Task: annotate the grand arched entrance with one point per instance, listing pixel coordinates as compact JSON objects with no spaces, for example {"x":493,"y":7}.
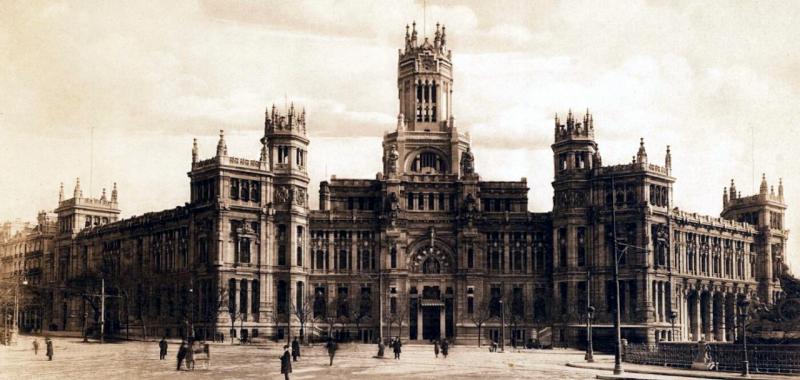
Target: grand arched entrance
{"x":431,"y":298}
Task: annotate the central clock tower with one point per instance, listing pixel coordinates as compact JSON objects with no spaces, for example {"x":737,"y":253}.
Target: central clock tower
{"x":425,"y":82}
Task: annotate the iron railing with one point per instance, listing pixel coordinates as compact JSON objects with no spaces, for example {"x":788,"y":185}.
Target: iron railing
{"x":783,"y":359}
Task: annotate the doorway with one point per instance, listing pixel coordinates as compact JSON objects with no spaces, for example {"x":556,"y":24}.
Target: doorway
{"x":431,"y":323}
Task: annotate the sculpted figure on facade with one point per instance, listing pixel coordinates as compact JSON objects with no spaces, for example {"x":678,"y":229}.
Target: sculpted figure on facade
{"x":282,"y":194}
{"x":393,"y":157}
{"x":467,"y":163}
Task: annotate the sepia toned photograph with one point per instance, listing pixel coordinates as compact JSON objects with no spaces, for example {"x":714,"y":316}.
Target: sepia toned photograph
{"x":399,"y":189}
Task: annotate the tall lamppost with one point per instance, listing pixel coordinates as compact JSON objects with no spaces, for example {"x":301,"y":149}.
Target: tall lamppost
{"x":502,"y":327}
{"x":744,"y":304}
{"x":15,"y":317}
{"x":672,"y":315}
{"x":589,"y":349}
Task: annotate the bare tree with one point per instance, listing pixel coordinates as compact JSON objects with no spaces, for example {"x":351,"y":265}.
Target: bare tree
{"x":360,"y":311}
{"x":399,"y":316}
{"x":304,"y":313}
{"x":330,"y":317}
{"x":480,"y":316}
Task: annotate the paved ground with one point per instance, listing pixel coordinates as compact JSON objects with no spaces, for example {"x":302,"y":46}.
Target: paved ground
{"x":138,"y":360}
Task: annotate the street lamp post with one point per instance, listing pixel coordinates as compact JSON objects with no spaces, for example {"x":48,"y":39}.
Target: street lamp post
{"x":502,"y":327}
{"x":15,"y":317}
{"x":589,"y":349}
{"x":743,"y":306}
{"x":672,"y":316}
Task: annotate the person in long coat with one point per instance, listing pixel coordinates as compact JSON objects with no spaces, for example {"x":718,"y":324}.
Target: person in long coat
{"x":445,"y":348}
{"x":397,"y":348}
{"x":49,"y":344}
{"x":286,"y":363}
{"x":190,"y":354}
{"x":36,"y":347}
{"x":436,"y":348}
{"x":162,"y":347}
{"x":331,"y":346}
{"x":181,"y":354}
{"x":295,"y":349}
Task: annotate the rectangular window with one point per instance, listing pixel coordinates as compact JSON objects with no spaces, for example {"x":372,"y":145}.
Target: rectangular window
{"x":281,"y":254}
{"x":393,"y":257}
{"x":441,"y":201}
{"x":562,"y":247}
{"x":421,"y":201}
{"x":234,"y":188}
{"x":470,"y":305}
{"x":410,"y":201}
{"x":562,"y":292}
{"x":470,"y":258}
{"x":581,"y":246}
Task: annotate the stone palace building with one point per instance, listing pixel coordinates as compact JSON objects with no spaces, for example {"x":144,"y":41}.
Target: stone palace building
{"x":426,"y":249}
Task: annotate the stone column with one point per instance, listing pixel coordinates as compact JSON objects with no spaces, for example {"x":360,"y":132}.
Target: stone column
{"x":722,"y":334}
{"x":709,"y":310}
{"x":442,"y":326}
{"x":506,"y":264}
{"x":696,"y":327}
{"x":419,"y":319}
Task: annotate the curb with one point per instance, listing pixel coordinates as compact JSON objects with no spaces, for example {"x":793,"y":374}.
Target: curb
{"x":681,"y":373}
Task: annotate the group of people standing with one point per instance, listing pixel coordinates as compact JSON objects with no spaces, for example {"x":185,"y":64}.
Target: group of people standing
{"x":48,"y":347}
{"x":445,"y":347}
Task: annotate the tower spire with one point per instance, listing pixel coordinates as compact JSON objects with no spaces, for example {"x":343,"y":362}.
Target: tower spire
{"x":222,"y":149}
{"x":733,"y":190}
{"x":668,"y":160}
{"x":77,"y":193}
{"x":61,"y":192}
{"x":114,"y":193}
{"x":780,"y":187}
{"x":641,"y":155}
{"x":763,"y":188}
{"x":724,"y":197}
{"x":194,"y":151}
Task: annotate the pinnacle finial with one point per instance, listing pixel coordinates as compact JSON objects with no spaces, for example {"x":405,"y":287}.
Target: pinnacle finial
{"x":194,"y":150}
{"x":763,"y":188}
{"x":77,"y":192}
{"x":222,"y":148}
{"x":61,"y":192}
{"x":103,"y":195}
{"x":114,"y":193}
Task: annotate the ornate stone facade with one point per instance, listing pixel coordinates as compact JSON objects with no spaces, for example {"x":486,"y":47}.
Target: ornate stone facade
{"x":426,"y":249}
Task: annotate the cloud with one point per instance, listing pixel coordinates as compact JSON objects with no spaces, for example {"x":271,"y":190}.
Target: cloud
{"x":719,"y":83}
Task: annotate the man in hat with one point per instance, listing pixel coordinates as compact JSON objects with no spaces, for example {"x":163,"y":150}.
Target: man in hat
{"x":286,"y":363}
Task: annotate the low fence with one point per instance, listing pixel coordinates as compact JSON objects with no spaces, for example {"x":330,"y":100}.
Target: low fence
{"x":783,"y":359}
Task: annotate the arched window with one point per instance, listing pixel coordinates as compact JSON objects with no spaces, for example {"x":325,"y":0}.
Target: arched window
{"x":430,"y":266}
{"x":299,"y":295}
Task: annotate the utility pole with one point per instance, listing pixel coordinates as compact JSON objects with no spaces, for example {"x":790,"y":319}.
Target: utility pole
{"x":102,"y":308}
{"x":617,"y":329}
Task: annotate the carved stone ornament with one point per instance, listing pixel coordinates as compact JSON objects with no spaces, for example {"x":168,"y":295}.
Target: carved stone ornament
{"x":282,"y":194}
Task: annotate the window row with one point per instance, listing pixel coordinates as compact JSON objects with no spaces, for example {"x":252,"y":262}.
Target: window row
{"x":245,"y":190}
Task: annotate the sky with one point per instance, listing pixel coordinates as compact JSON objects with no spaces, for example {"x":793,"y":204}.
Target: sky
{"x":127,"y":85}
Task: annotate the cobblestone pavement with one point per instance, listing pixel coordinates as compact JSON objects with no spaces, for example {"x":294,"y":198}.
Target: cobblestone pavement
{"x":138,"y":360}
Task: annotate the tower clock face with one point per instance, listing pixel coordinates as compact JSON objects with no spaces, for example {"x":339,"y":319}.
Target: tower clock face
{"x":428,"y":64}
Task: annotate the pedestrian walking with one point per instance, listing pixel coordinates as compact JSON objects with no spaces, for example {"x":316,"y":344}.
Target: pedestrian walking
{"x":445,"y":348}
{"x":286,"y":363}
{"x":436,"y":348}
{"x":181,"y":354}
{"x":397,"y":348}
{"x":49,"y":344}
{"x":162,"y":348}
{"x":295,"y":349}
{"x":331,"y":346}
{"x":35,"y":346}
{"x":190,"y":354}
{"x":381,"y":348}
